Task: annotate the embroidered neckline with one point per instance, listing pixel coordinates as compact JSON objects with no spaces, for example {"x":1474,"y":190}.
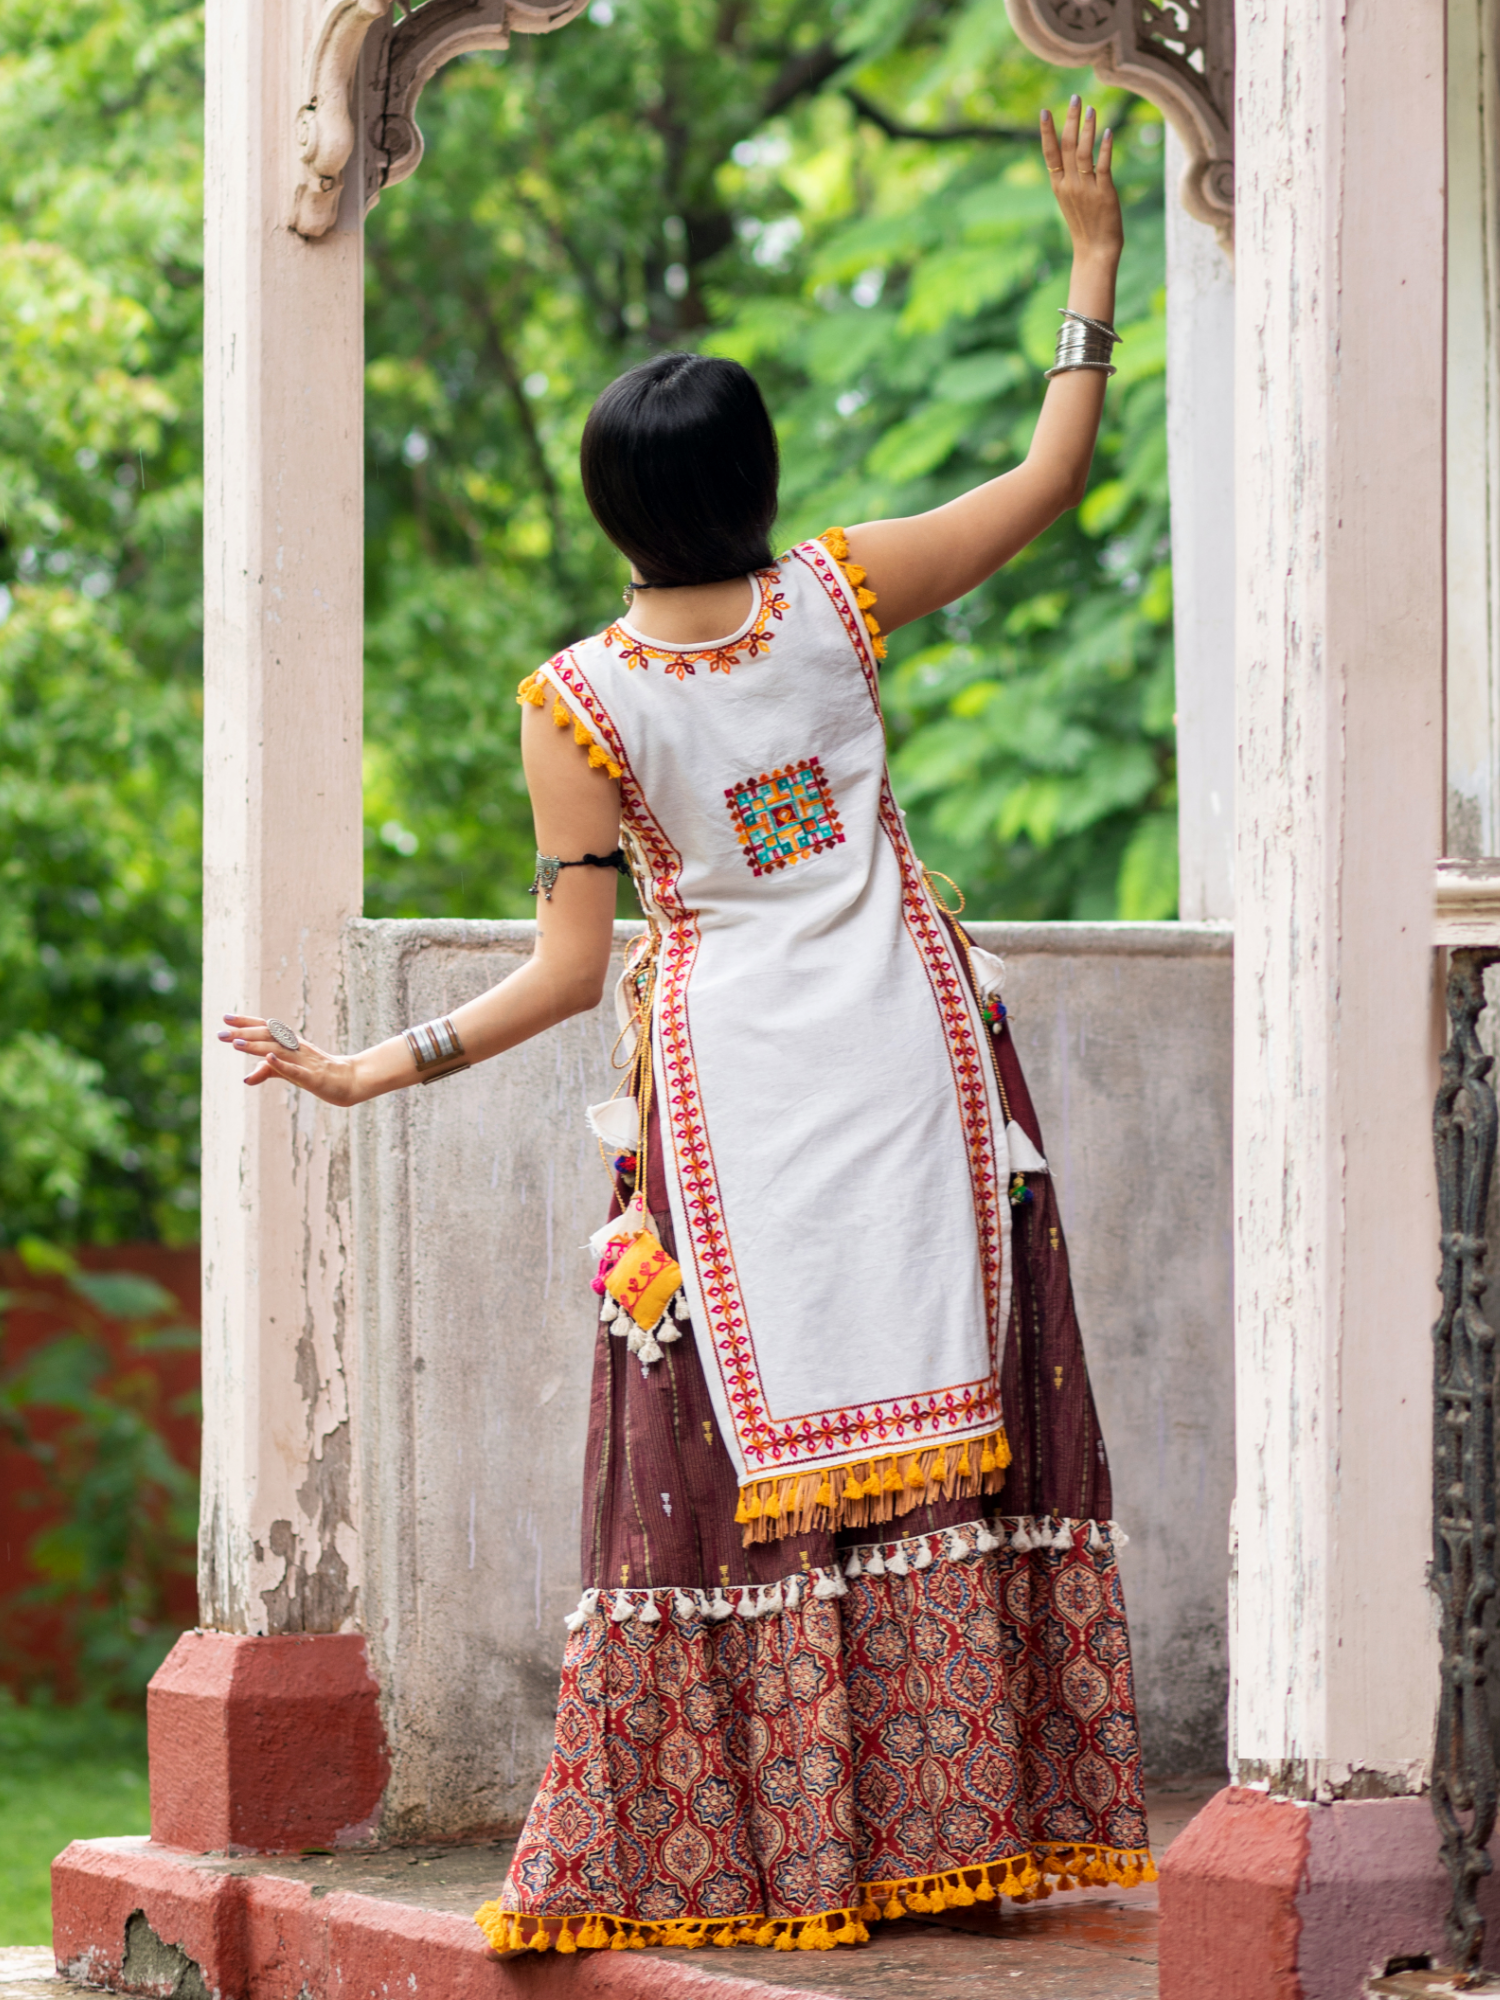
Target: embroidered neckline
{"x":752,"y":639}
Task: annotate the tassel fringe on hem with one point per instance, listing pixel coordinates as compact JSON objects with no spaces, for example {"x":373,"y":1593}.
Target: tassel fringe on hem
{"x":1026,"y":1878}
{"x":871,"y":1490}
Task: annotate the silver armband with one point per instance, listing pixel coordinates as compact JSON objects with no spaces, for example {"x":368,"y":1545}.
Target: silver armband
{"x":1083,"y":343}
{"x":435,"y":1046}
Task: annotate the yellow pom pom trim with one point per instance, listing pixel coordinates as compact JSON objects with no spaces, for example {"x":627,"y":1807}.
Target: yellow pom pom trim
{"x":600,"y":1930}
{"x":836,"y":541}
{"x":533,"y":693}
{"x":867,"y":1491}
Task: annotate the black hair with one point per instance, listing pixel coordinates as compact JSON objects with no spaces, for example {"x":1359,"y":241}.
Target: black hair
{"x":680,"y":465}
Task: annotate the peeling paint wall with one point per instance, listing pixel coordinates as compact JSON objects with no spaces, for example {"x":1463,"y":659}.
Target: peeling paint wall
{"x":1339,"y":631}
{"x":474,"y":1197}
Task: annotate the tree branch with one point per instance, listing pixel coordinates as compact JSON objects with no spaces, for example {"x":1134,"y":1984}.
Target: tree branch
{"x":894,"y":129}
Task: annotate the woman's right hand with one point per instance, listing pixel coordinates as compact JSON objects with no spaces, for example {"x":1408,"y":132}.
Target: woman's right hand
{"x":330,"y":1077}
{"x":1083,"y":188}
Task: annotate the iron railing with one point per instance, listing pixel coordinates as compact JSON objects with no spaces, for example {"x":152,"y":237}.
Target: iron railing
{"x":1463,"y":1473}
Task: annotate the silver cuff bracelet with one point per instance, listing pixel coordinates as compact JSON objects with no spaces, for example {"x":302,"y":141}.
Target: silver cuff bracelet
{"x":1083,"y":343}
{"x":435,"y":1046}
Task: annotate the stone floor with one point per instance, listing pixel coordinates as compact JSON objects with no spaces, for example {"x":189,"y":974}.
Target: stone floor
{"x":1085,"y":1945}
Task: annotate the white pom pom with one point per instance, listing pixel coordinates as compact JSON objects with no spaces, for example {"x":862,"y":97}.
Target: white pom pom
{"x":854,"y":1567}
{"x":682,"y":1607}
{"x":667,"y":1331}
{"x":1021,"y":1540}
{"x":954,"y":1545}
{"x":746,"y":1606}
{"x":610,"y":1309}
{"x":649,"y":1351}
{"x":587,"y":1605}
{"x":984,"y":1541}
{"x":1063,"y":1539}
{"x":828,"y":1583}
{"x":1118,"y":1535}
{"x":898,"y":1565}
{"x":648,"y":1613}
{"x":680,"y":1305}
{"x":621,"y":1608}
{"x":875,"y":1563}
{"x":719,"y":1606}
{"x":923,"y":1557}
{"x":772,"y":1600}
{"x":1096,"y":1542}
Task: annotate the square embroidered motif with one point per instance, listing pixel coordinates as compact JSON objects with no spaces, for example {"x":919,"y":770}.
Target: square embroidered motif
{"x":782,"y":817}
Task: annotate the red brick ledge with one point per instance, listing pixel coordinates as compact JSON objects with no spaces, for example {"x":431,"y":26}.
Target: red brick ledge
{"x":263,"y":1937}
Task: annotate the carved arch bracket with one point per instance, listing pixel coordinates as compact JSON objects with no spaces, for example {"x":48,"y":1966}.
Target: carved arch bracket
{"x":368,"y":66}
{"x":1180,"y":55}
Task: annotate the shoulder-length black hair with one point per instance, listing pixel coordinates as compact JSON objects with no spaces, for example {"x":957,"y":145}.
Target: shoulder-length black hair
{"x":680,"y":465}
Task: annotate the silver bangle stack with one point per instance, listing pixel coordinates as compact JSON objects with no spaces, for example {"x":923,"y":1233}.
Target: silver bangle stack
{"x":435,"y":1046}
{"x":1083,"y":343}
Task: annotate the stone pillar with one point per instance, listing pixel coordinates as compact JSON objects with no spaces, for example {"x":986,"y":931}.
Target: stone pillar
{"x":283,"y":536}
{"x":1200,"y":462}
{"x":1339,"y":251}
{"x":1473,"y":677}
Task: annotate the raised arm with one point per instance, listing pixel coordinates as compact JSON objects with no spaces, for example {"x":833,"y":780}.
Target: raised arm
{"x":577,"y":812}
{"x":927,"y":560}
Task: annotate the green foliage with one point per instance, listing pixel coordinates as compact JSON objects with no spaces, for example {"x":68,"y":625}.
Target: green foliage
{"x":693,"y":175}
{"x":65,"y":1774}
{"x":99,"y":625}
{"x":124,"y":1512}
{"x":716,"y":173}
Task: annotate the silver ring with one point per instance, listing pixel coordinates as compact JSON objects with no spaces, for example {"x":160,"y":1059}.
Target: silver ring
{"x":280,"y":1032}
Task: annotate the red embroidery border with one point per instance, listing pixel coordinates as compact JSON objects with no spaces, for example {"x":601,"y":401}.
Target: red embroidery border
{"x":767,"y":1443}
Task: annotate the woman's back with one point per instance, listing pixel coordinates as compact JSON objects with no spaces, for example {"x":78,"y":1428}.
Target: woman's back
{"x":820,"y":1057}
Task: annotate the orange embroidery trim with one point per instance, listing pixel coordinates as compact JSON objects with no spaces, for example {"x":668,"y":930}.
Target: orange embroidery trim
{"x":533,"y":692}
{"x":680,"y":663}
{"x":836,"y":541}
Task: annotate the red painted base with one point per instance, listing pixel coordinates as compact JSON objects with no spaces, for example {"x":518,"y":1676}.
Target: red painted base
{"x":265,"y":1746}
{"x":260,"y":1937}
{"x":1230,"y":1926}
{"x":1268,"y":1899}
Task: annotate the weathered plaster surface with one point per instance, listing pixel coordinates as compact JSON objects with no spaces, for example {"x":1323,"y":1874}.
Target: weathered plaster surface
{"x":476,"y":1332}
{"x":1200,"y":463}
{"x":282,"y":841}
{"x":1339,"y":631}
{"x":1473,"y":433}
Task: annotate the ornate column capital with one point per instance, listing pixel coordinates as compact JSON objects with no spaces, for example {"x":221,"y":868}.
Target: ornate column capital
{"x":1180,"y":55}
{"x":367,"y":66}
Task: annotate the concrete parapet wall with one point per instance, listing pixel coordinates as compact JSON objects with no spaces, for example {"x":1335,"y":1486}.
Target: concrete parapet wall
{"x":473,"y":1198}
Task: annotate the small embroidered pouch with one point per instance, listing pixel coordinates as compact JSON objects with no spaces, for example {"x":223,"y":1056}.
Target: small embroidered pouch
{"x":644,"y":1280}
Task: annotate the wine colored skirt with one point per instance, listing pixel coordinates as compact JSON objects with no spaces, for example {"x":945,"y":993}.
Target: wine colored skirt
{"x":778,"y":1744}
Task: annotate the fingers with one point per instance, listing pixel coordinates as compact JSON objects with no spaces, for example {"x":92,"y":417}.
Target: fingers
{"x":1050,"y":151}
{"x":1106,"y":153}
{"x":1085,"y":153}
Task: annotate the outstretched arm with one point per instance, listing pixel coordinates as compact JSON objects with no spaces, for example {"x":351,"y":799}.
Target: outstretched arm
{"x":927,"y":560}
{"x":577,"y":812}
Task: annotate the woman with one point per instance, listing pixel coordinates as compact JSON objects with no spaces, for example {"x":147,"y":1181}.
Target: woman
{"x":814,"y":1678}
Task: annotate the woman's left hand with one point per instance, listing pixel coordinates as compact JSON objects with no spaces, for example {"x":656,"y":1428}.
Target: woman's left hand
{"x":325,"y":1076}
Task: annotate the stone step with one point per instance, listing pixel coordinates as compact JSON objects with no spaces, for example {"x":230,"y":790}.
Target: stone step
{"x":396,"y":1924}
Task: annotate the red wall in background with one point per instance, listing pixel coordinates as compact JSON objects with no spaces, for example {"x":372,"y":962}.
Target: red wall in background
{"x":35,"y":1646}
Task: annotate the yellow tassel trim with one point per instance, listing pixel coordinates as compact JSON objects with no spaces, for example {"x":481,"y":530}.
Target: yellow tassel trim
{"x":506,"y":1931}
{"x":868,"y":1490}
{"x":533,"y":693}
{"x":837,"y":544}
{"x":1024,"y":1877}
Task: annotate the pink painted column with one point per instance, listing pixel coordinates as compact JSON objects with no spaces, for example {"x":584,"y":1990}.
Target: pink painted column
{"x":1339,"y":253}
